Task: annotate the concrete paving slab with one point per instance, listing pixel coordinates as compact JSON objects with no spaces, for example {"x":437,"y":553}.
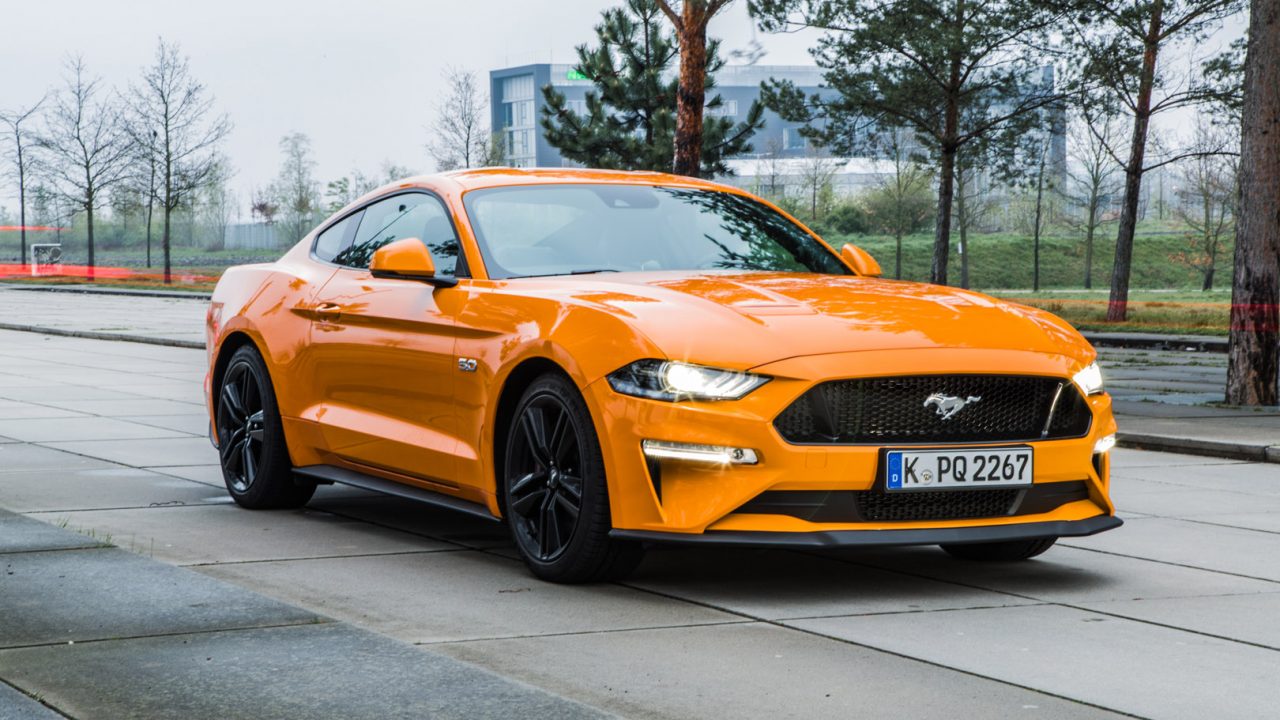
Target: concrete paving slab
{"x":771,"y":584}
{"x":206,"y":474}
{"x":312,"y":671}
{"x":1246,"y":552}
{"x":1256,"y":478}
{"x":15,"y":705}
{"x":81,"y":595}
{"x":1246,"y":618}
{"x":128,"y":408}
{"x":1266,"y":522}
{"x":1064,"y":574}
{"x":102,"y":488}
{"x":221,"y":532}
{"x":1132,"y":667}
{"x":413,"y":517}
{"x":18,"y":410}
{"x":144,"y":453}
{"x":63,"y":392}
{"x":1165,"y":499}
{"x":752,"y":671}
{"x":82,"y":428}
{"x":464,"y":595}
{"x":17,"y":457}
{"x":193,"y":424}
{"x":1122,"y":458}
{"x":20,"y":534}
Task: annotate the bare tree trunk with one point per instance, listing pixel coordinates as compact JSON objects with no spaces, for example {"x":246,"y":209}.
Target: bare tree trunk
{"x":89,"y":227}
{"x":962,"y":216}
{"x":1090,"y":225}
{"x":692,"y":95}
{"x":1118,"y":306}
{"x":1035,"y":273}
{"x":897,"y":260}
{"x":1253,"y":365}
{"x":942,"y":230}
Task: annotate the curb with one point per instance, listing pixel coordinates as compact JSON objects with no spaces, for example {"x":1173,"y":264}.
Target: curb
{"x":1194,"y":446}
{"x":178,"y":294}
{"x":1184,"y":343}
{"x":91,"y":335}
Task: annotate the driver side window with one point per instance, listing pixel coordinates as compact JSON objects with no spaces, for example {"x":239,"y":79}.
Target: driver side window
{"x":400,"y":216}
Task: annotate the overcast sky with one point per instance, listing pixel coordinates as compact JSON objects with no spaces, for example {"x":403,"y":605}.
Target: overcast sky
{"x":360,"y":78}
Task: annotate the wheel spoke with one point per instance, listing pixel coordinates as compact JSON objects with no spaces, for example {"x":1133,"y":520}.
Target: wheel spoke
{"x":232,"y":404}
{"x":250,"y":462}
{"x":519,"y":487}
{"x":572,"y":486}
{"x":560,"y":436}
{"x":535,"y":433}
{"x":526,"y":505}
{"x":550,"y":530}
{"x":256,"y":427}
{"x":569,"y":505}
{"x":230,"y":450}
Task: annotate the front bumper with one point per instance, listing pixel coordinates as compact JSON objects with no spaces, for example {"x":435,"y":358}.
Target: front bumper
{"x":696,"y":500}
{"x":875,"y":538}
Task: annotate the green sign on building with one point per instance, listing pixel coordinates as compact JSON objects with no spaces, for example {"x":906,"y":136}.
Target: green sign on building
{"x":575,"y":75}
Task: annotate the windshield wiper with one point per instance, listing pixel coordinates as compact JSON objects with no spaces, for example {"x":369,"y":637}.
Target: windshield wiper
{"x":593,"y":271}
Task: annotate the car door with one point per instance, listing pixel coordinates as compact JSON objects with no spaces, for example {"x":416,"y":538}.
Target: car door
{"x":382,"y":350}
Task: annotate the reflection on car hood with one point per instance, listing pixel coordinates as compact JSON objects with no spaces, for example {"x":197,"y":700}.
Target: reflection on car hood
{"x":749,"y":319}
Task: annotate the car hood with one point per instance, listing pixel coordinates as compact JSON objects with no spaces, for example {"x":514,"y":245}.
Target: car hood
{"x":744,"y":320}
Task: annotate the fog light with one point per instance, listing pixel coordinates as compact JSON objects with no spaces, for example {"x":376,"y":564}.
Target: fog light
{"x":1104,"y":444}
{"x":715,"y":454}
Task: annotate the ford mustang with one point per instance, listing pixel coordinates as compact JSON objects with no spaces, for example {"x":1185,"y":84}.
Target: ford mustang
{"x":608,"y":360}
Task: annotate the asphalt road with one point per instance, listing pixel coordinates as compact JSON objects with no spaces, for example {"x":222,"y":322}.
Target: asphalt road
{"x":1177,"y":614}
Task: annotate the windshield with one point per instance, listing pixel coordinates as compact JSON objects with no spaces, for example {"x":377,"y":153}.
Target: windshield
{"x":537,"y":230}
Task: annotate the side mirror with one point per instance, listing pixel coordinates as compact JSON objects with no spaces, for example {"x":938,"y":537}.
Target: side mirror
{"x":860,"y":260}
{"x":407,"y":259}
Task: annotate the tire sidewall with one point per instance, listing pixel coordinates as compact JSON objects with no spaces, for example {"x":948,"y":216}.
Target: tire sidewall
{"x":275,"y":460}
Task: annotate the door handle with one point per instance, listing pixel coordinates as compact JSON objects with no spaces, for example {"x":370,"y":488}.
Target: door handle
{"x":328,"y":311}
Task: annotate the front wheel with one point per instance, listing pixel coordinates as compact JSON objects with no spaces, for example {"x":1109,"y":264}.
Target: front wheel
{"x":251,"y":445}
{"x":1008,"y":551}
{"x":557,"y":502}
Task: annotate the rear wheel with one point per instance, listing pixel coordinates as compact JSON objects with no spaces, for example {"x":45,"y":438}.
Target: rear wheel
{"x":251,"y":444}
{"x":1008,"y":551}
{"x":557,"y":502}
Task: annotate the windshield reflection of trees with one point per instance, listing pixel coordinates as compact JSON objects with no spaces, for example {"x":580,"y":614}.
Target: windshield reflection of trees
{"x":772,"y":242}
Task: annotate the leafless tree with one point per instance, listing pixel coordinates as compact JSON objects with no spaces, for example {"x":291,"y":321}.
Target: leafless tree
{"x":973,"y":203}
{"x":86,"y":146}
{"x":901,"y":203}
{"x":1207,"y":199}
{"x":1122,"y":55}
{"x":20,"y":153}
{"x":173,"y":124}
{"x":263,"y":205}
{"x":460,"y":136}
{"x":217,"y":206}
{"x":816,"y":173}
{"x":295,"y":189}
{"x":1253,"y":364}
{"x":769,"y":172}
{"x":1091,"y":177}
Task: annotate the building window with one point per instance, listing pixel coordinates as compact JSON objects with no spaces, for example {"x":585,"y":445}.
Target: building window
{"x":518,"y":120}
{"x":793,"y":140}
{"x":728,"y":108}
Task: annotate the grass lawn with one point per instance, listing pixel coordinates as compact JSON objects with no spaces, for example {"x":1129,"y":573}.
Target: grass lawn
{"x":1174,"y":312}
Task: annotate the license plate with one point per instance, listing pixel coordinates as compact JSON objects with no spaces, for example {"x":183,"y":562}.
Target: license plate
{"x":943,"y":469}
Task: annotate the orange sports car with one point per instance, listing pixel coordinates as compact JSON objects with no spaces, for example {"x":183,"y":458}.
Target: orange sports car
{"x":605,"y":360}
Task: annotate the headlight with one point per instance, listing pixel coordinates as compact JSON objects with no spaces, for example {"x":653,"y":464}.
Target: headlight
{"x":1089,"y":380}
{"x":669,"y":380}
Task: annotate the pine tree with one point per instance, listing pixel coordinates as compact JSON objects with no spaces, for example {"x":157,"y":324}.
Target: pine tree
{"x":954,"y":72}
{"x":629,"y":123}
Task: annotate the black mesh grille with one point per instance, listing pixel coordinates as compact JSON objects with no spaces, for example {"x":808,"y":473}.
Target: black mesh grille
{"x":937,"y":505}
{"x":846,"y":506}
{"x":898,"y":410}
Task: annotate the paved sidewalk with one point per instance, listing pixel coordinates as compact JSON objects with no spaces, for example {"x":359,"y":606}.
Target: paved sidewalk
{"x":1172,"y":615}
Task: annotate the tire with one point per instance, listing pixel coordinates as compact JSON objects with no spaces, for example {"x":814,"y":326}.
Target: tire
{"x":1008,"y":551}
{"x":554,"y":491}
{"x":251,"y":445}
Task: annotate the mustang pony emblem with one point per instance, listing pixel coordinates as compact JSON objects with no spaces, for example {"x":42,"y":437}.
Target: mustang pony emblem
{"x":948,"y":405}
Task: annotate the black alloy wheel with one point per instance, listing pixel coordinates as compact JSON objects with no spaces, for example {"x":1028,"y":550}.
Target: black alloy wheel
{"x":545,"y":467}
{"x":240,"y":427}
{"x":251,"y":443}
{"x":555,"y":497}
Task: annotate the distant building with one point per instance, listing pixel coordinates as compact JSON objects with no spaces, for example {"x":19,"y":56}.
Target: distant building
{"x":516,"y":104}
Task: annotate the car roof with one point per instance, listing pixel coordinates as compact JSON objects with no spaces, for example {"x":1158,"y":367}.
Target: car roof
{"x":476,"y":179}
